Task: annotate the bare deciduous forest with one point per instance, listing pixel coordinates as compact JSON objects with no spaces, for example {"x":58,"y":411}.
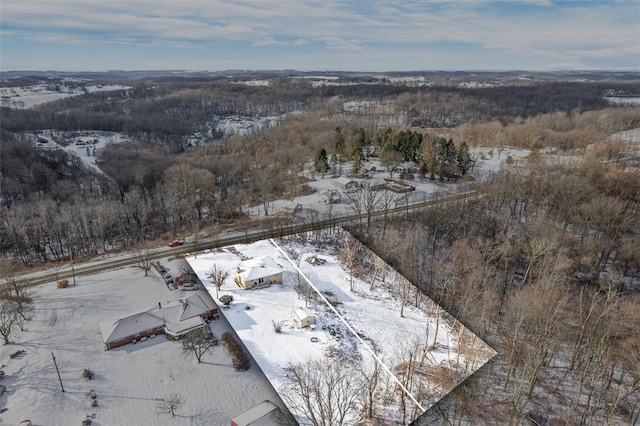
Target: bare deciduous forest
{"x":544,"y":265}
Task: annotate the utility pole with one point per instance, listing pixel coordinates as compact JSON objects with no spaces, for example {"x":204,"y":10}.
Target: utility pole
{"x":57,"y":371}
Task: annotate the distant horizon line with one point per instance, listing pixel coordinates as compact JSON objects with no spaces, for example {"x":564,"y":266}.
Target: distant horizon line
{"x":282,"y":70}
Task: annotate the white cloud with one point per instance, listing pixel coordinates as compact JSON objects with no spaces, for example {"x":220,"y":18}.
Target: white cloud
{"x":538,"y":28}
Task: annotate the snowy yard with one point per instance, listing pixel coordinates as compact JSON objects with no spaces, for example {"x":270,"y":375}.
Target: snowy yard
{"x":129,"y":381}
{"x":357,"y":323}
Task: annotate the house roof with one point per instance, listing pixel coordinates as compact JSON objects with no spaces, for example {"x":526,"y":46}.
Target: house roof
{"x":255,"y":414}
{"x":345,"y":181}
{"x":176,"y":312}
{"x":303,"y":313}
{"x":182,"y":309}
{"x":128,"y":326}
{"x":185,"y":326}
{"x":254,"y":269}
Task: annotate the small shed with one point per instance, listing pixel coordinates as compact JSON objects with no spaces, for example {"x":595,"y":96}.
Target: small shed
{"x":346,"y":184}
{"x":303,"y":317}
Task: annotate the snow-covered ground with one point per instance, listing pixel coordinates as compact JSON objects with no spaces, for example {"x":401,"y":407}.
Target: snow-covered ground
{"x":632,"y":135}
{"x":488,"y":164}
{"x":368,"y":317}
{"x":30,"y":96}
{"x":83,"y":144}
{"x":129,"y":381}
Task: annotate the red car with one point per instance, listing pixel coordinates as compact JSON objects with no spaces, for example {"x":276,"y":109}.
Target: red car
{"x":176,"y":243}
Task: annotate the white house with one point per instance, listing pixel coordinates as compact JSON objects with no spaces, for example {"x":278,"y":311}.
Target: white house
{"x":253,"y":272}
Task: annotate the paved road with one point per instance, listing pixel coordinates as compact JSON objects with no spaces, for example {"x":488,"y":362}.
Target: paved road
{"x":230,"y":238}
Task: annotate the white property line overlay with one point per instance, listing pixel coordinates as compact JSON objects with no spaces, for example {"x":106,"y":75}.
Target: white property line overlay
{"x":378,"y":360}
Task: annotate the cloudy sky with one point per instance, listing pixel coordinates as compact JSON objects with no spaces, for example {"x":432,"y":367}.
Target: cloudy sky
{"x":356,"y":35}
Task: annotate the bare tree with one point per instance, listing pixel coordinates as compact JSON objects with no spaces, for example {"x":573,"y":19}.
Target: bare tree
{"x":325,"y":393}
{"x":170,"y":405}
{"x":8,"y":318}
{"x":218,"y":276}
{"x":143,"y":260}
{"x":350,"y":255}
{"x":198,"y":343}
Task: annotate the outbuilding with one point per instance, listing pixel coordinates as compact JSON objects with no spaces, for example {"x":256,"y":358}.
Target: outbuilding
{"x":303,"y":317}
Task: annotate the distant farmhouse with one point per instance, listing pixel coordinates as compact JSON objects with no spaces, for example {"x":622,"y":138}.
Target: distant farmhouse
{"x":176,"y":319}
{"x":346,"y":184}
{"x":262,"y":271}
{"x":330,"y":196}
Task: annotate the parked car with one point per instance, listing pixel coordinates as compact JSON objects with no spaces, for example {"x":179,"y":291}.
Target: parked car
{"x":162,"y":269}
{"x":176,"y":243}
{"x":189,"y":287}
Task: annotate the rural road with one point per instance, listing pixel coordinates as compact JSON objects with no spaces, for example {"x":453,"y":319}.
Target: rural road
{"x":221,"y":240}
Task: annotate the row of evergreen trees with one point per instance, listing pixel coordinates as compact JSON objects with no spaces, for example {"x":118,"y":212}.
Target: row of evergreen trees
{"x":435,"y":155}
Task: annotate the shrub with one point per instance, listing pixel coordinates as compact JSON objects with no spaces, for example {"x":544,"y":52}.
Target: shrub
{"x":88,"y":374}
{"x":226,"y":299}
{"x":277,"y":326}
{"x":63,"y":283}
{"x":240,"y":359}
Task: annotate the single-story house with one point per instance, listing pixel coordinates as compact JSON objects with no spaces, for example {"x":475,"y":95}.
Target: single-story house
{"x":289,"y":207}
{"x":254,"y":272}
{"x":175,"y":319}
{"x":346,"y":184}
{"x":330,"y":196}
{"x":303,"y":317}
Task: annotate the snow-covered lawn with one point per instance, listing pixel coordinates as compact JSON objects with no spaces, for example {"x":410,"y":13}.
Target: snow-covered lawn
{"x":129,"y":381}
{"x":362,"y":318}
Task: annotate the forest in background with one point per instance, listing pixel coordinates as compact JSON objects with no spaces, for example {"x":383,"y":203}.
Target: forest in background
{"x":545,"y":266}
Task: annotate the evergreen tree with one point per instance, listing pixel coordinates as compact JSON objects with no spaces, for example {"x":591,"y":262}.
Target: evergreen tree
{"x":321,"y":162}
{"x":463,"y":158}
{"x":338,"y":142}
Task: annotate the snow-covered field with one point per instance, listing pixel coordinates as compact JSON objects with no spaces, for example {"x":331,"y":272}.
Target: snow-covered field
{"x":30,"y":96}
{"x":129,"y":381}
{"x":368,"y":317}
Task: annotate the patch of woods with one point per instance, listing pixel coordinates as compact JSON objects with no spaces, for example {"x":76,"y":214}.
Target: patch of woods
{"x":53,"y":209}
{"x":545,"y":267}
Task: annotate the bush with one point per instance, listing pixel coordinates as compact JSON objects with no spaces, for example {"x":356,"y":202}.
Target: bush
{"x":63,"y":283}
{"x":277,"y":326}
{"x":226,"y":299}
{"x":240,"y":359}
{"x":88,"y":374}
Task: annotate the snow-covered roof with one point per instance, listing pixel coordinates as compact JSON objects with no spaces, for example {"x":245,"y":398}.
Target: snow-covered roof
{"x":124,"y":327}
{"x":303,"y":313}
{"x":254,"y":269}
{"x":342,"y":180}
{"x":182,"y":309}
{"x":174,"y":312}
{"x":185,"y":326}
